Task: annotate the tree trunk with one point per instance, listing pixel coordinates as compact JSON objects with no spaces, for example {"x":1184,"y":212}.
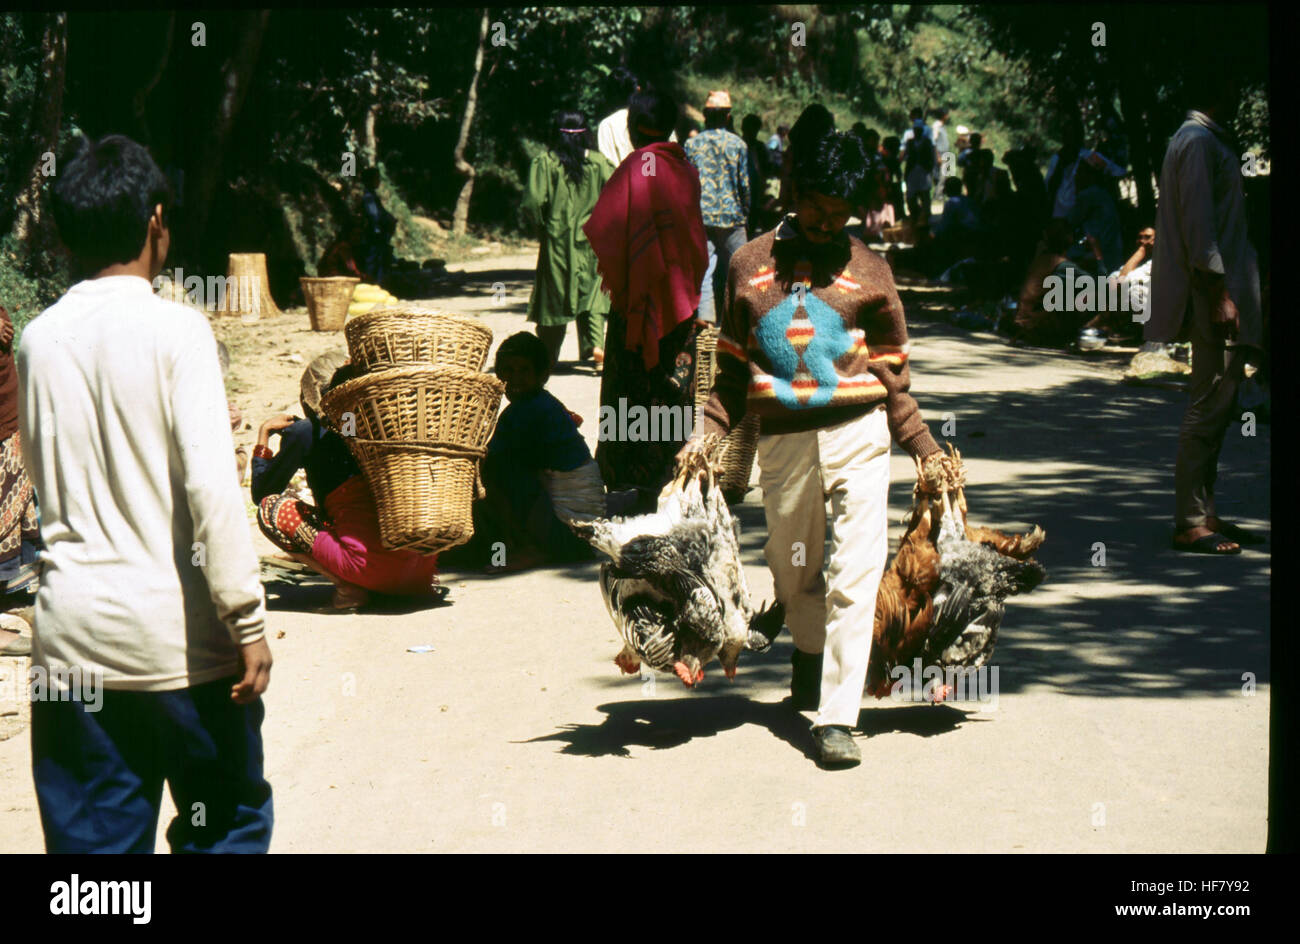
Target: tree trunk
{"x":369,"y":146}
{"x":460,"y":217}
{"x":1135,"y":103}
{"x":140,"y":100}
{"x":47,"y":112}
{"x":236,"y":74}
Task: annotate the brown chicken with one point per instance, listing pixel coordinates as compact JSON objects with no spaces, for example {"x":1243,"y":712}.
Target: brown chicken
{"x":941,"y":597}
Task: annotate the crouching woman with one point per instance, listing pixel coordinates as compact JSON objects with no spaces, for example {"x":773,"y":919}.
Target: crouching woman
{"x":340,"y":538}
{"x":814,"y":341}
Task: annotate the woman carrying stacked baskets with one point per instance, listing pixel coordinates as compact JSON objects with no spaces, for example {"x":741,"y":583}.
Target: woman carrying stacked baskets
{"x":340,"y":537}
{"x":563,"y":184}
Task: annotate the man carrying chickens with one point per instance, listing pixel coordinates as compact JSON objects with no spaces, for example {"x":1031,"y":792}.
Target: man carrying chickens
{"x":813,"y":339}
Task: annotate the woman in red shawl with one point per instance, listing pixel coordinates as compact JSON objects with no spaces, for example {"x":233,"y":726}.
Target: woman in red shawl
{"x":648,"y":236}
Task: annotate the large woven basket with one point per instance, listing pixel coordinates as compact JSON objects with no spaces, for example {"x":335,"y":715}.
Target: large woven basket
{"x":407,"y":335}
{"x":736,"y":452}
{"x":327,"y":300}
{"x":418,"y":434}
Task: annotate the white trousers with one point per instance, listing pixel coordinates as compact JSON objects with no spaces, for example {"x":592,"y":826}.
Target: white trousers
{"x":832,"y":612}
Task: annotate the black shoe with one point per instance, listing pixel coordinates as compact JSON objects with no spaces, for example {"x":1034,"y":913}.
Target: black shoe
{"x":806,"y":681}
{"x":835,"y":747}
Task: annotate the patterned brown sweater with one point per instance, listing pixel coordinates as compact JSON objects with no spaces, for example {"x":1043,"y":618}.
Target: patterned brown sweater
{"x":813,"y":336}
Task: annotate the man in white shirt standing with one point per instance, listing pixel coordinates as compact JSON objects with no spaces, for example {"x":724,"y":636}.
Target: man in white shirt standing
{"x":939,"y":131}
{"x":611,"y":134}
{"x":1205,"y":289}
{"x":612,"y":137}
{"x":149,"y":655}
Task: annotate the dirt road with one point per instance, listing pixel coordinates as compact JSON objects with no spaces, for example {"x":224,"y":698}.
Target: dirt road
{"x":1122,"y":720}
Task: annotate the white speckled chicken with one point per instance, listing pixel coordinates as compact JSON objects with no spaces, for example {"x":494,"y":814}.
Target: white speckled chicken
{"x":674,"y":584}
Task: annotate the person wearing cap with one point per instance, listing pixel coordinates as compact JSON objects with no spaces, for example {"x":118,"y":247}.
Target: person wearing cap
{"x":921,"y":160}
{"x":564,"y":182}
{"x":722,"y":159}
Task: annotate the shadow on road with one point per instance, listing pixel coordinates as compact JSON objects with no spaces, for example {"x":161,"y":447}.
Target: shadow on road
{"x":661,"y":723}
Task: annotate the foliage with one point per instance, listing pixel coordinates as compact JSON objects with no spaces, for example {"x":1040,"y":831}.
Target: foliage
{"x":1013,"y":72}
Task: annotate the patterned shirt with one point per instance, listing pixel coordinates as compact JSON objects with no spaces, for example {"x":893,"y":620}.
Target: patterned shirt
{"x":812,"y":336}
{"x":722,"y":159}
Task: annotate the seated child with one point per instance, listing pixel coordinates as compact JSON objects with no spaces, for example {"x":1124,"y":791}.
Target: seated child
{"x":539,"y":475}
{"x":339,"y":536}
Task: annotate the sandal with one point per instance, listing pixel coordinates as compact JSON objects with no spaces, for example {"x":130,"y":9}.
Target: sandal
{"x":1206,"y":544}
{"x":1240,"y":535}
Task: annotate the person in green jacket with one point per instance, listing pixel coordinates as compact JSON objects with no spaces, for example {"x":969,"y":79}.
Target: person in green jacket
{"x":563,"y":184}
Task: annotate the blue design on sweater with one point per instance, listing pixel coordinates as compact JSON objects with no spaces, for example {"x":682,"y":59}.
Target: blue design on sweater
{"x":831,"y":339}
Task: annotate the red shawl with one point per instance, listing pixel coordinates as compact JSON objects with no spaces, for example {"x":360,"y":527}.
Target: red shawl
{"x":648,"y":235}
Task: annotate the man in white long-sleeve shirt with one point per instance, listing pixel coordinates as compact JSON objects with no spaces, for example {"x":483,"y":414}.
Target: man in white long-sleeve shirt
{"x":1205,"y":289}
{"x":150,"y":583}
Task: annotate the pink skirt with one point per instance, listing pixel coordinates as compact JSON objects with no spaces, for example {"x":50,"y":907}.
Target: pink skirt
{"x":350,"y":547}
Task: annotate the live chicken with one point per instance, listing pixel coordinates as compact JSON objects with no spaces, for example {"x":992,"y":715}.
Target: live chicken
{"x":674,"y":585}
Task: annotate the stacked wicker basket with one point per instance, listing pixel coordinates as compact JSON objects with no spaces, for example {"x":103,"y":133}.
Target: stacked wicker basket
{"x":737,"y":451}
{"x":422,"y":415}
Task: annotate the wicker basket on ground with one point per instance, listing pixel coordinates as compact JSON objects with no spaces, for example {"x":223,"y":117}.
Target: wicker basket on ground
{"x":737,"y":451}
{"x":328,"y":300}
{"x":406,"y":335}
{"x":418,"y":434}
{"x":248,"y":292}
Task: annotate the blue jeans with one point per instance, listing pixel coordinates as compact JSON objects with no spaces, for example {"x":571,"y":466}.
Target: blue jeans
{"x":99,"y":775}
{"x":722,"y":242}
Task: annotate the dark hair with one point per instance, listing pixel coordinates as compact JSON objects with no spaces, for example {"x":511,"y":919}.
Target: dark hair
{"x":952,"y":187}
{"x":859,"y":128}
{"x":104,"y":198}
{"x":343,"y":375}
{"x":916,"y":113}
{"x":716,"y":117}
{"x":814,"y":123}
{"x":571,"y":145}
{"x":891,"y":144}
{"x":370,"y":177}
{"x":530,"y":348}
{"x":837,"y":167}
{"x":751,"y":125}
{"x":976,"y":139}
{"x":1205,"y":87}
{"x":1057,"y":236}
{"x":621,"y":85}
{"x":650,"y":110}
{"x":1085,"y":175}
